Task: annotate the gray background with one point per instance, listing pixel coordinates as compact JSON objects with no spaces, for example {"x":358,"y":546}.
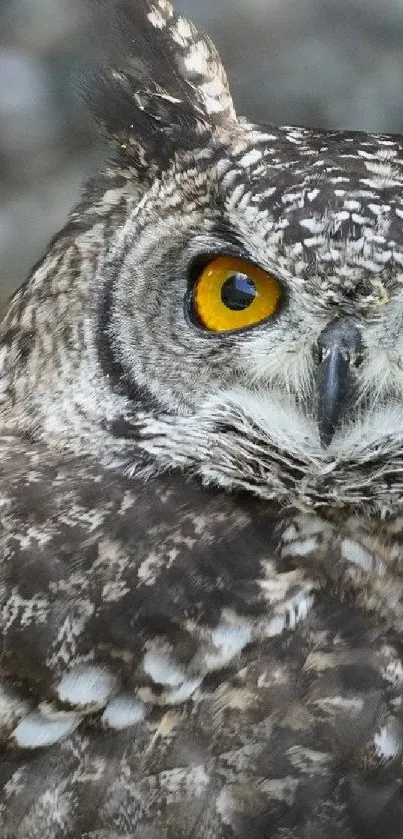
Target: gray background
{"x":313,"y":62}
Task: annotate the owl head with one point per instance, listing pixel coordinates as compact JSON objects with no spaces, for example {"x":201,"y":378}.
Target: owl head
{"x":226,"y":299}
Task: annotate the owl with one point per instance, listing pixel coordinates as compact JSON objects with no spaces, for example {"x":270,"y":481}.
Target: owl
{"x":201,"y":460}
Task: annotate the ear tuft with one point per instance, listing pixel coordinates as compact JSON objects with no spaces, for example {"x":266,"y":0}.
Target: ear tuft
{"x":161,"y":88}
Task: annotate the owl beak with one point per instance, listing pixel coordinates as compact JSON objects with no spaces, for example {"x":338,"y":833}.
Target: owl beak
{"x":340,"y":350}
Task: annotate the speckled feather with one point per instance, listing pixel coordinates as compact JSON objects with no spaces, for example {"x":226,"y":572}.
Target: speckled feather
{"x":256,"y":712}
{"x":200,"y":607}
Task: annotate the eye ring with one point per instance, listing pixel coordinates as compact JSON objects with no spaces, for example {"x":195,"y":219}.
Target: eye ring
{"x":231,"y":294}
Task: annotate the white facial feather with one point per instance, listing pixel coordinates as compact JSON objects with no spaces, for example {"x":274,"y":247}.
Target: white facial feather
{"x":265,"y":432}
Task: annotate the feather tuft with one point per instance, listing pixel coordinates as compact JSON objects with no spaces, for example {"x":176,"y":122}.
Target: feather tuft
{"x":158,"y":86}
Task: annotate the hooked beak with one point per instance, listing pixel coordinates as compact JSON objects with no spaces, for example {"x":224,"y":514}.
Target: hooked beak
{"x":340,"y":349}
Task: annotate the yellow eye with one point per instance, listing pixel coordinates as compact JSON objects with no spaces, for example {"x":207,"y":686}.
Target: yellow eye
{"x":230,"y":293}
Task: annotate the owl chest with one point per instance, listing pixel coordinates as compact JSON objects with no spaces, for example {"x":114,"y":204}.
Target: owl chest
{"x":358,"y":558}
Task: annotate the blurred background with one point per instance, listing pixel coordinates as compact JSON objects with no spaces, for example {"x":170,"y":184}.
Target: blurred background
{"x":314,"y":62}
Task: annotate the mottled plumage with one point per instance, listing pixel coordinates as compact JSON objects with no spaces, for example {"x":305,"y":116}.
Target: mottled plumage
{"x":201,"y":584}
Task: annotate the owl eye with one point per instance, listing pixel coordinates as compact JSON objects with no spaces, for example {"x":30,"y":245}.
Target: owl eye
{"x":230,"y":293}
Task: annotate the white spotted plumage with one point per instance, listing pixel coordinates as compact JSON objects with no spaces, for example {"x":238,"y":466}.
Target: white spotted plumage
{"x":200,"y":588}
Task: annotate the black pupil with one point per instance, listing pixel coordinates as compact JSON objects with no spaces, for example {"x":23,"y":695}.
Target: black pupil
{"x":238,"y":292}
